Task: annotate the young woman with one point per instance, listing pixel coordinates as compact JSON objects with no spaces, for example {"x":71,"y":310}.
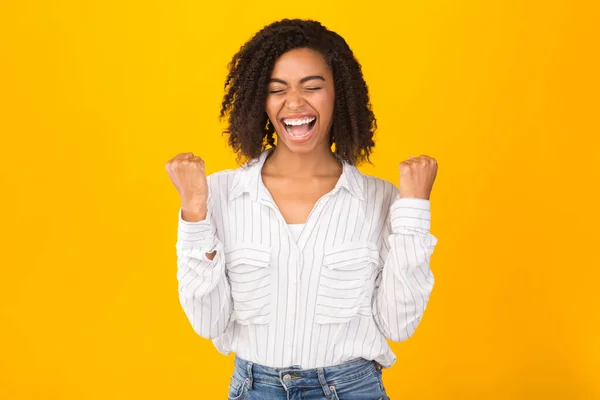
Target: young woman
{"x":296,"y":261}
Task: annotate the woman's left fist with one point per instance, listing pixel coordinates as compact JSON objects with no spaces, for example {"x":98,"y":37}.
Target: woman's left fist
{"x":417,"y":175}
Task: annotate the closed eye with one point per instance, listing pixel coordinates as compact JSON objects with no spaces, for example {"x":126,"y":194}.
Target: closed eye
{"x":311,"y":89}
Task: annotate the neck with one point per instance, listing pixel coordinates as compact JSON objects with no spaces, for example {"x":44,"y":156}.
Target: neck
{"x":284,"y":162}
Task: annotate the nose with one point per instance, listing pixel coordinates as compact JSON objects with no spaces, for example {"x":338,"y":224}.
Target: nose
{"x":294,"y":100}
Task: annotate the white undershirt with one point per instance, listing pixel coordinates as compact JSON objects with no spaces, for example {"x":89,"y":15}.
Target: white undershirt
{"x":296,"y":229}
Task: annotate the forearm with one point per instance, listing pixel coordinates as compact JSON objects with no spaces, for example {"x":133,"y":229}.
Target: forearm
{"x":194,"y":213}
{"x":204,"y":289}
{"x":406,"y":279}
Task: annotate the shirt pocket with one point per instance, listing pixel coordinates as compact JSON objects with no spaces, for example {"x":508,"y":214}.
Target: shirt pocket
{"x":346,"y":283}
{"x":249,"y":272}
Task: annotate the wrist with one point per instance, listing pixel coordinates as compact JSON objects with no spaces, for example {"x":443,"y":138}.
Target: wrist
{"x":413,"y":196}
{"x":193,"y":213}
{"x":194,"y":203}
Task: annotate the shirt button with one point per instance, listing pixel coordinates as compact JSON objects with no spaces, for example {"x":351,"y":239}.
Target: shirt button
{"x":287,"y":378}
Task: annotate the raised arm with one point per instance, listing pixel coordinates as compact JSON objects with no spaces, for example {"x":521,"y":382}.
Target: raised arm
{"x":204,"y":290}
{"x":405,"y":282}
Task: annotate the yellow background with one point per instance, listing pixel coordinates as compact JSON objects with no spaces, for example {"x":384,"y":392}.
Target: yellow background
{"x":96,"y":96}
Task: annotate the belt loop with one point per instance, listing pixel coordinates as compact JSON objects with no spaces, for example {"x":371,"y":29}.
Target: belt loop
{"x":323,"y":382}
{"x":250,"y":377}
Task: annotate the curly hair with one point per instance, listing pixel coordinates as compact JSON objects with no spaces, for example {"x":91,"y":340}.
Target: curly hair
{"x":250,"y":69}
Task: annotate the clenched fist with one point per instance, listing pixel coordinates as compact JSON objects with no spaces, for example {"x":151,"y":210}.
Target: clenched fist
{"x":189,"y":177}
{"x":417,"y":175}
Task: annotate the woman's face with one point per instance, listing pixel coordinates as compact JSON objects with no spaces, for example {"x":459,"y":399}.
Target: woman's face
{"x":300,"y":100}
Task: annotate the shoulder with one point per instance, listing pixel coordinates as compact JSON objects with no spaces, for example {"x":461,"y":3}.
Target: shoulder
{"x":220,"y":183}
{"x":221,"y":177}
{"x":232,"y":181}
{"x":378,"y":190}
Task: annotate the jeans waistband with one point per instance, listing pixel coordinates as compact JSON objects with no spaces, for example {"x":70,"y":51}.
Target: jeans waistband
{"x":296,"y":377}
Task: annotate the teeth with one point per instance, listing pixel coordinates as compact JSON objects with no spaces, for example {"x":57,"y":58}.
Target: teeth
{"x":296,"y":122}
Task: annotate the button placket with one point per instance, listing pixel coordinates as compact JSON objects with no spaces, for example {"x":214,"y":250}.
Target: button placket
{"x":296,"y":294}
{"x":292,"y":302}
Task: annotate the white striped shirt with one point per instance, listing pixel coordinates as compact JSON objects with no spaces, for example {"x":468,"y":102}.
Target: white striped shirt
{"x":357,"y":274}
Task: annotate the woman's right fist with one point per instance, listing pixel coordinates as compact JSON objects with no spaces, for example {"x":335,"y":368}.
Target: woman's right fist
{"x":189,"y":177}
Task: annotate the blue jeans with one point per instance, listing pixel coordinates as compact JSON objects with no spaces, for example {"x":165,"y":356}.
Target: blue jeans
{"x":353,"y":380}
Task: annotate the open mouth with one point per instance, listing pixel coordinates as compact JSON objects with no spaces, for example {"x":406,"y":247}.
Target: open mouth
{"x":299,"y":128}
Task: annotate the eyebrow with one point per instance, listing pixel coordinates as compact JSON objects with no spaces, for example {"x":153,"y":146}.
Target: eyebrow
{"x":306,"y":78}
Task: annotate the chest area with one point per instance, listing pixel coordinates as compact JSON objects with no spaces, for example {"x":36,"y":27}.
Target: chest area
{"x":296,"y":198}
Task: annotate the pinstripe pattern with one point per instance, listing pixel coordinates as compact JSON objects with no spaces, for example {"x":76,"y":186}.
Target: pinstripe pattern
{"x":355,"y":274}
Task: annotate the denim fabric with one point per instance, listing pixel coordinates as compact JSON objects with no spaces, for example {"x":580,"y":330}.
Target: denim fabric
{"x":354,"y":380}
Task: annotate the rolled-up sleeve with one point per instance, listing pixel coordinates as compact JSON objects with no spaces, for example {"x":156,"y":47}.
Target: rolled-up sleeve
{"x":204,"y":289}
{"x":405,"y":281}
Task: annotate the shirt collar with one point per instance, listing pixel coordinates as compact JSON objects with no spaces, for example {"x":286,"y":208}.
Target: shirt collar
{"x":248,"y":179}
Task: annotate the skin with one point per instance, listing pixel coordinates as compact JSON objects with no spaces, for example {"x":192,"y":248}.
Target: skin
{"x":299,"y":171}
